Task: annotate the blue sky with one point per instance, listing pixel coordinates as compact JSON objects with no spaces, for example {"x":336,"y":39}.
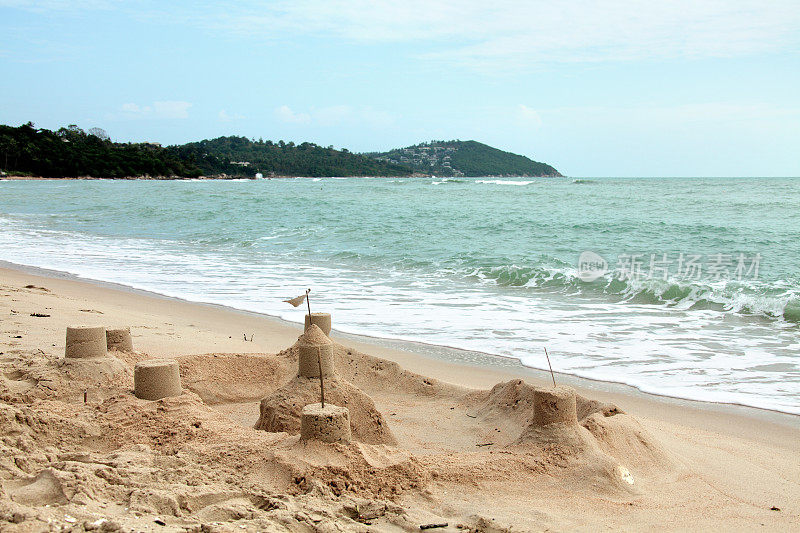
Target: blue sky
{"x":623,"y":88}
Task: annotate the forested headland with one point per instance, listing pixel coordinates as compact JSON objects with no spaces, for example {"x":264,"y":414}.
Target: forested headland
{"x":71,"y":152}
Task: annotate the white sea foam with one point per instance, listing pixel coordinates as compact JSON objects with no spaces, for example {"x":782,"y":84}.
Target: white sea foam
{"x":597,"y":347}
{"x":504,"y":182}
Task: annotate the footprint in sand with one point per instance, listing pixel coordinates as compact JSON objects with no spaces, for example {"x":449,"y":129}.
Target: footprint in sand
{"x":17,"y":382}
{"x":44,"y":489}
{"x":45,"y":289}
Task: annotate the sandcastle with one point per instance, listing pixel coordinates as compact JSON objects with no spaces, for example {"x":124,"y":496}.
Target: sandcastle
{"x":327,"y":424}
{"x":156,"y":378}
{"x":85,"y":342}
{"x":554,"y":405}
{"x":321,"y":320}
{"x":119,"y":339}
{"x":292,"y":407}
{"x":86,"y":357}
{"x":315,"y":354}
{"x":555,"y":416}
{"x":555,"y":420}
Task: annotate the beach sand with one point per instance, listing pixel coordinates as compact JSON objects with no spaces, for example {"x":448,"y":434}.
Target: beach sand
{"x":450,"y":443}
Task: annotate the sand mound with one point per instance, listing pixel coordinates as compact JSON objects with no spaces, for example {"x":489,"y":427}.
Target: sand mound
{"x":599,"y":447}
{"x":280,"y":411}
{"x":373,"y":373}
{"x":624,"y":438}
{"x":224,"y":378}
{"x":514,"y":400}
{"x":585,"y":407}
{"x":100,"y":371}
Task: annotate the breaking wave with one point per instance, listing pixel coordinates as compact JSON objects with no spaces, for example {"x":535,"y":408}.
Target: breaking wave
{"x":779,"y":300}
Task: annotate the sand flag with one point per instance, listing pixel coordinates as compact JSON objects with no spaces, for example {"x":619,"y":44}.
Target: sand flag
{"x":297,"y":301}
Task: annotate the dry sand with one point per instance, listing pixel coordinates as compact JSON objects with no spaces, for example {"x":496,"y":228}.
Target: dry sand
{"x":460,"y":443}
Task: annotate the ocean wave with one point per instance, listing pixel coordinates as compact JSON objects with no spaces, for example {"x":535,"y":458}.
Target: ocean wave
{"x":584,"y":181}
{"x":447,"y":180}
{"x":779,"y":300}
{"x":504,"y":182}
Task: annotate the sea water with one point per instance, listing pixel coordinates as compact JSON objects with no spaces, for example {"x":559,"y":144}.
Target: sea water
{"x":688,"y":287}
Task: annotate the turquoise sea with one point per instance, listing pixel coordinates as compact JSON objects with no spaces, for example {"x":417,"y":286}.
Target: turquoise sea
{"x":700,"y":298}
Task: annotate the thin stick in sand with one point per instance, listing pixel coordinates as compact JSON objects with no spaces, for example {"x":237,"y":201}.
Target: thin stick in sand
{"x":319,"y":357}
{"x":551,"y":367}
{"x":321,"y":379}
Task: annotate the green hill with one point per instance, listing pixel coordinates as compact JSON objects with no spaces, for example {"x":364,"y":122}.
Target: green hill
{"x":464,"y":158}
{"x":239,"y":156}
{"x":72,"y":152}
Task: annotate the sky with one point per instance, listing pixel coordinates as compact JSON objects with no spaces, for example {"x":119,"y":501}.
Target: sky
{"x":594,"y":88}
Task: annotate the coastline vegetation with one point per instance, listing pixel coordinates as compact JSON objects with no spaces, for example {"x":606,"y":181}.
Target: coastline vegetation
{"x":71,"y":152}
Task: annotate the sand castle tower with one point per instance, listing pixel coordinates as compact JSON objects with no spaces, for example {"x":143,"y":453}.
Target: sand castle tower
{"x":156,"y":378}
{"x":321,"y":320}
{"x":553,"y":405}
{"x":555,"y":418}
{"x":85,"y":342}
{"x":86,"y":357}
{"x":319,"y":421}
{"x":295,"y":408}
{"x":315,"y":353}
{"x":119,"y":339}
{"x":328,"y":423}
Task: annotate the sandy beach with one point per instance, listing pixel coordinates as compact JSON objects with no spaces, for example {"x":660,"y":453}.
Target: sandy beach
{"x":434,"y":442}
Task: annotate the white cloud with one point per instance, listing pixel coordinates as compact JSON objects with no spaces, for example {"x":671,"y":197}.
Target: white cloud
{"x":332,"y":115}
{"x":498,"y":34}
{"x":171,"y":109}
{"x":158,"y":110}
{"x":224,"y":116}
{"x":529,"y":116}
{"x":336,"y":115}
{"x":512,"y":33}
{"x":285,"y":114}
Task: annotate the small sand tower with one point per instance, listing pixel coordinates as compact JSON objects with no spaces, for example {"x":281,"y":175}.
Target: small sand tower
{"x":555,"y":418}
{"x":85,"y":342}
{"x":156,"y":378}
{"x":86,"y":358}
{"x":321,"y":320}
{"x":554,"y":404}
{"x":327,"y":424}
{"x":315,"y":353}
{"x":119,"y":339}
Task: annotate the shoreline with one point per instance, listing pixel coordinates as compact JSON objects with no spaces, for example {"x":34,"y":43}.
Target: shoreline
{"x":465,"y":368}
{"x":433,"y":441}
{"x":252,"y":178}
